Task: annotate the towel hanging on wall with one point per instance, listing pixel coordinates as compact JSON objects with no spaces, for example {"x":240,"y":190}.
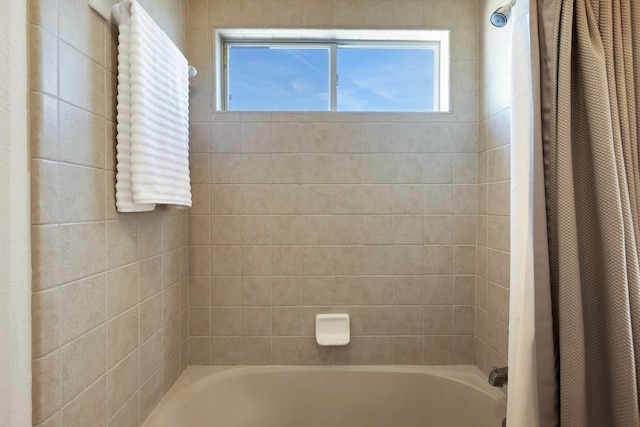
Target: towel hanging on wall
{"x":152,"y":115}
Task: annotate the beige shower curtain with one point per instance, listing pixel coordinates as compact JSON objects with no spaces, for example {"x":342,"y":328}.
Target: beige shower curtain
{"x":592,"y":183}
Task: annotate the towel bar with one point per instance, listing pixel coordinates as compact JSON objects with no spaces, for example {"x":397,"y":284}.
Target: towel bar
{"x":103,"y":7}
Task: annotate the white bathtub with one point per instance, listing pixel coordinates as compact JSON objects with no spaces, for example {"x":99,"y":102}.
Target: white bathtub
{"x":331,"y":396}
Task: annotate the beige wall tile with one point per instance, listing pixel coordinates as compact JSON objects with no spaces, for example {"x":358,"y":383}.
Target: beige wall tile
{"x":347,"y":290}
{"x":377,"y":259}
{"x":122,"y":336}
{"x":82,"y":29}
{"x":286,"y":321}
{"x":377,"y":350}
{"x":286,"y":350}
{"x":407,"y":320}
{"x":287,"y":229}
{"x":498,"y":302}
{"x":47,"y":390}
{"x":199,"y":321}
{"x":463,"y":320}
{"x":45,"y":195}
{"x":84,"y":195}
{"x":46,"y":320}
{"x":43,"y":69}
{"x":90,"y":407}
{"x":128,"y":415}
{"x":171,"y":303}
{"x":286,"y":291}
{"x":81,"y":137}
{"x":498,"y":267}
{"x":438,"y":290}
{"x":82,"y":362}
{"x":407,"y":290}
{"x":255,"y":350}
{"x":383,"y":199}
{"x":464,"y":260}
{"x":170,"y":268}
{"x":463,"y":349}
{"x":170,"y":346}
{"x":408,"y":350}
{"x":225,"y":260}
{"x":225,"y":230}
{"x":224,"y":290}
{"x":408,"y":230}
{"x":150,"y":352}
{"x":497,"y":335}
{"x":150,"y":394}
{"x":379,"y":13}
{"x":199,"y":351}
{"x":438,"y":260}
{"x":498,"y":232}
{"x":82,"y":250}
{"x":377,"y":290}
{"x":199,"y":291}
{"x":122,"y":243}
{"x":149,"y":277}
{"x":465,"y":229}
{"x":347,"y":260}
{"x":347,"y":13}
{"x":256,"y":290}
{"x":317,"y":199}
{"x":122,"y":383}
{"x":256,"y":321}
{"x":377,"y":320}
{"x":226,"y":321}
{"x":43,"y":126}
{"x":83,"y":306}
{"x":438,"y":13}
{"x":464,"y":290}
{"x":438,"y":320}
{"x":317,"y":291}
{"x":78,"y":71}
{"x":438,"y":199}
{"x":438,"y":350}
{"x":150,"y":316}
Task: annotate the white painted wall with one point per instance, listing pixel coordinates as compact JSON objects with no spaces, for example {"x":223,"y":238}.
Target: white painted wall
{"x":15,"y":254}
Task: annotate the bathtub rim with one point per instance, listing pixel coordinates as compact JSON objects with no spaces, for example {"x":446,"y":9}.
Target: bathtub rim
{"x":199,"y":375}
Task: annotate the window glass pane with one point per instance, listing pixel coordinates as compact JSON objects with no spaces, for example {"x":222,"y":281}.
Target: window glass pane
{"x":278,"y":78}
{"x":385,"y":79}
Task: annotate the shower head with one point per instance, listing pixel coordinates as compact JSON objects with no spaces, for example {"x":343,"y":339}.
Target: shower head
{"x":500,"y":17}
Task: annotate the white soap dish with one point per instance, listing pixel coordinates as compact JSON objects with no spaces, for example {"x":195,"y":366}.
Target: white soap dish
{"x":333,"y":329}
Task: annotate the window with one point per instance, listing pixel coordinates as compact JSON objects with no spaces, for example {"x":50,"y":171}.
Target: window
{"x":374,"y":73}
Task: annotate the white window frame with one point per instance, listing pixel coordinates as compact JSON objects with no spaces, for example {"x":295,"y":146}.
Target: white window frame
{"x":398,"y":39}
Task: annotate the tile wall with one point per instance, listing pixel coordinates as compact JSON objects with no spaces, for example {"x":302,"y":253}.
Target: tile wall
{"x":110,"y":291}
{"x":302,"y":213}
{"x":492,"y":295}
{"x":401,"y":220}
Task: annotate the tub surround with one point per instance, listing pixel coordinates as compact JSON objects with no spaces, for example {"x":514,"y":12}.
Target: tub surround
{"x":109,"y":290}
{"x":370,"y":214}
{"x":399,"y":220}
{"x":492,"y":295}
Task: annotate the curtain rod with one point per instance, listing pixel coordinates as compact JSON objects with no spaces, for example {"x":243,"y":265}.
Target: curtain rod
{"x":104,"y":9}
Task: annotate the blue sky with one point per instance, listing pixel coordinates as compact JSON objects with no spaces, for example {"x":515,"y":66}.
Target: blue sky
{"x":296,"y":79}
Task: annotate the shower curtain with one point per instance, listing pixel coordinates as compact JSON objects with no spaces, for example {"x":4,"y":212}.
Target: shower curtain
{"x":532,"y":385}
{"x":593,"y":178}
{"x":589,"y":118}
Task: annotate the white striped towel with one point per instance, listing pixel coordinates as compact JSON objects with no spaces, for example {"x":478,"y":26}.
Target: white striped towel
{"x":153,"y":115}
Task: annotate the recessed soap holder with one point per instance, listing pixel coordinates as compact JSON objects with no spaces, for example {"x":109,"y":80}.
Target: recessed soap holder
{"x":333,"y":329}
